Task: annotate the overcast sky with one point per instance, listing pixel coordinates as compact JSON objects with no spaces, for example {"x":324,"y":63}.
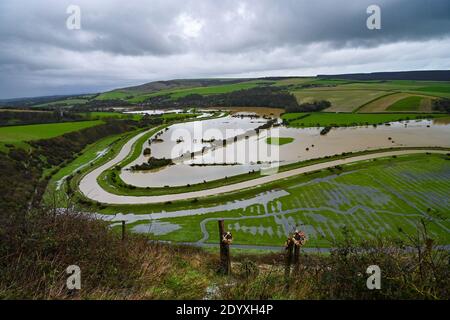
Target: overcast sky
{"x":124,"y":43}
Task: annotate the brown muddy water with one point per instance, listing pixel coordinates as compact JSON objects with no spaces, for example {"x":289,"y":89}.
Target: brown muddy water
{"x":253,"y":152}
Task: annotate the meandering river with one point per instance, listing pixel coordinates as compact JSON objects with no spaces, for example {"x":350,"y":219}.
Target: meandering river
{"x":250,"y":151}
{"x":243,"y":156}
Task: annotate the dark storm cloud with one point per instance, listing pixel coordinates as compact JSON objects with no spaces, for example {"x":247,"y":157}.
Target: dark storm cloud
{"x":125,"y":42}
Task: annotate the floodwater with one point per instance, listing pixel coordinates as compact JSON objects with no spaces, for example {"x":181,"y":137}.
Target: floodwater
{"x":262,"y":111}
{"x":155,"y":111}
{"x":182,"y":139}
{"x":263,"y":199}
{"x":251,"y":151}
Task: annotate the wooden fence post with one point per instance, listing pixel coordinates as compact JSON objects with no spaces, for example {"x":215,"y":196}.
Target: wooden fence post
{"x":225,"y":239}
{"x":288,"y":258}
{"x":123,"y":230}
{"x":299,"y":240}
{"x":296,"y":258}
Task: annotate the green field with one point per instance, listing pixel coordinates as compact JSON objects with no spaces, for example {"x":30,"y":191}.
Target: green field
{"x":14,"y":134}
{"x":341,"y":100}
{"x":365,"y":96}
{"x":113,"y":95}
{"x":432,"y":88}
{"x":322,"y":119}
{"x":386,"y":197}
{"x":279,"y":141}
{"x":413,"y":103}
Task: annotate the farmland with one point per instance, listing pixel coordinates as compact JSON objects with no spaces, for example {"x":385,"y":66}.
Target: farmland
{"x":15,"y":134}
{"x":347,"y":119}
{"x":413,"y":103}
{"x":341,"y":100}
{"x":370,"y":96}
{"x":386,"y":197}
{"x":344,"y":95}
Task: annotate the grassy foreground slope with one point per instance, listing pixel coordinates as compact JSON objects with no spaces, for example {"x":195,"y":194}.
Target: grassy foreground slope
{"x":34,"y":267}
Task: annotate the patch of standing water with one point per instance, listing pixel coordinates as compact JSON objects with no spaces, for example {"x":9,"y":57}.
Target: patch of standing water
{"x":156,"y":228}
{"x":261,"y":199}
{"x":155,"y":111}
{"x":308,"y":144}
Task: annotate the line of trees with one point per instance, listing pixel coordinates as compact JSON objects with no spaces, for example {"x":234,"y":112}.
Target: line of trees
{"x":255,"y":97}
{"x":35,"y":117}
{"x":314,"y":106}
{"x":441,"y":105}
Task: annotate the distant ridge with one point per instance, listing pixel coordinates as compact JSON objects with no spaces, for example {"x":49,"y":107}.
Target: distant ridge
{"x":179,"y":84}
{"x":429,"y":75}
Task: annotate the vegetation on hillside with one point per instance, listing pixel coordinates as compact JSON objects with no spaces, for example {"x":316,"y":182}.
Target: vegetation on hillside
{"x":308,"y":107}
{"x":14,"y":117}
{"x":263,"y":96}
{"x":442,"y":105}
{"x":151,"y":164}
{"x":22,"y":172}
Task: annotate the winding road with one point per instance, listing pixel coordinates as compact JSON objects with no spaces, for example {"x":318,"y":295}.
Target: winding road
{"x":92,"y":190}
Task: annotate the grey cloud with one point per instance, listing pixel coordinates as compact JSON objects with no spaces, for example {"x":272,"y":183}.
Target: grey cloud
{"x":125,"y":42}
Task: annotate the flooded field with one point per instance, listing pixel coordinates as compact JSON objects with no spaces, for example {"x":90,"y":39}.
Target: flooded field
{"x":276,"y":112}
{"x":368,"y":200}
{"x":251,"y":152}
{"x":155,"y":111}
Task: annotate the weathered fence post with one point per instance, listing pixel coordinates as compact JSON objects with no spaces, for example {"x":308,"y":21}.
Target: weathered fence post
{"x":296,"y":258}
{"x":288,"y":258}
{"x":123,"y":230}
{"x":225,"y":239}
{"x":299,"y":240}
{"x":292,"y":252}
